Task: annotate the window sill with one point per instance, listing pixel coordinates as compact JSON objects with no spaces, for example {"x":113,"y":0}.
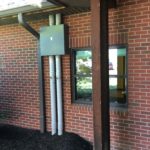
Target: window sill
{"x":82,"y":106}
{"x":82,"y":102}
{"x":118,"y":108}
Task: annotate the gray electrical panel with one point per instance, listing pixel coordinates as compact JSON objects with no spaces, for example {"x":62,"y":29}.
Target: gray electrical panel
{"x":53,"y":40}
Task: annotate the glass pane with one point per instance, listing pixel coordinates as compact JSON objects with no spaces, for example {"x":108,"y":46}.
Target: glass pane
{"x":117,"y":89}
{"x":83,"y":63}
{"x":84,"y":89}
{"x":117,"y":61}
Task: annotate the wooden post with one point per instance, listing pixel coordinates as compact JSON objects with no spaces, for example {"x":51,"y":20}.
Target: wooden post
{"x":100,"y":74}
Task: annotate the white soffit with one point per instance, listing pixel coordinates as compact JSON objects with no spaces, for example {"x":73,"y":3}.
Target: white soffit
{"x":12,"y":7}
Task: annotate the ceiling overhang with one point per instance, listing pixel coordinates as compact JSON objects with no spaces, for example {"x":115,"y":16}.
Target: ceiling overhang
{"x":76,"y":3}
{"x":13,"y":7}
{"x":65,"y":7}
{"x":84,"y":3}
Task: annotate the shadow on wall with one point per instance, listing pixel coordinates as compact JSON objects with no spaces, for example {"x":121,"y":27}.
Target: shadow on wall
{"x":122,"y":135}
{"x":7,"y":110}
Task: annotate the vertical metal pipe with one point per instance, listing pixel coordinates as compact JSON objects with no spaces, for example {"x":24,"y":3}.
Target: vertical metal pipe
{"x":41,"y":92}
{"x":51,"y":20}
{"x":59,"y":86}
{"x":58,"y":19}
{"x":40,"y":71}
{"x":52,"y":85}
{"x":59,"y":95}
{"x":52,"y":93}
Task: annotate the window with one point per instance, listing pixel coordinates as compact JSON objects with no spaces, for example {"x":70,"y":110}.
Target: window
{"x":82,"y":75}
{"x":118,"y":75}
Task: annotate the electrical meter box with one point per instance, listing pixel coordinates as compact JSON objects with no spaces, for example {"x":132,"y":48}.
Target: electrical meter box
{"x":53,"y":40}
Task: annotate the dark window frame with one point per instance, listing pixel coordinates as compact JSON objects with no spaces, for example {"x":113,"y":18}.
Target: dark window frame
{"x":74,"y":75}
{"x":73,"y":67}
{"x":125,"y":105}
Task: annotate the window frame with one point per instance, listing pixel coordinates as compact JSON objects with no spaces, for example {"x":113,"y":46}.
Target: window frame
{"x":73,"y":67}
{"x":74,"y":75}
{"x":117,"y":105}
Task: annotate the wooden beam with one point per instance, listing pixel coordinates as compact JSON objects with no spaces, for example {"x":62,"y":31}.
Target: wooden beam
{"x":104,"y":75}
{"x":95,"y":9}
{"x":82,"y":3}
{"x":99,"y":9}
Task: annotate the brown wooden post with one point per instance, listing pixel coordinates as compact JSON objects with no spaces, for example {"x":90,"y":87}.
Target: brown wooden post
{"x":99,"y":10}
{"x":95,"y":9}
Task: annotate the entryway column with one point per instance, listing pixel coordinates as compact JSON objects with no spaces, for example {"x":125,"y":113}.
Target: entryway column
{"x":100,"y":74}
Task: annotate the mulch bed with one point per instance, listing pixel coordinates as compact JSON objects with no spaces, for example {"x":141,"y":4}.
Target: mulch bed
{"x":15,"y":138}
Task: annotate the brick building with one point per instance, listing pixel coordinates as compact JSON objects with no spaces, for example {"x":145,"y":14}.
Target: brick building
{"x":129,"y":26}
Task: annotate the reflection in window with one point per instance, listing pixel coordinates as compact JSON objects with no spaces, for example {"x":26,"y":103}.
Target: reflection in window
{"x":118,"y":75}
{"x":82,"y":75}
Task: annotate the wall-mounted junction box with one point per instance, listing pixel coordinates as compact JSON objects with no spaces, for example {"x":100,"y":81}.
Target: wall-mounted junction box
{"x":53,"y":40}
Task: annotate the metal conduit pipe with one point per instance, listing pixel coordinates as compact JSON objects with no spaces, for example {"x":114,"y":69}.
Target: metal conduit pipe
{"x":27,"y":26}
{"x":59,"y":95}
{"x":59,"y":86}
{"x":24,"y":24}
{"x":52,"y":85}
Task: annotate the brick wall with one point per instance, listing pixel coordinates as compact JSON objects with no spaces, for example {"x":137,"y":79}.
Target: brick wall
{"x":19,"y":105}
{"x":129,"y":24}
{"x":18,"y":77}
